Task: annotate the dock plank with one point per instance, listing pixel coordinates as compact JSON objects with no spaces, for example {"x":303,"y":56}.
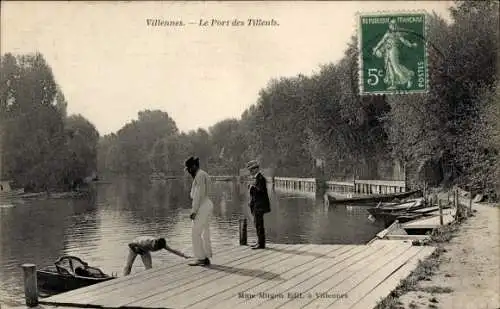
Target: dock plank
{"x":271,"y":268}
{"x":383,"y":289}
{"x":251,"y":286}
{"x":344,"y":281}
{"x":137,"y":277}
{"x":81,"y":295}
{"x":407,"y":237}
{"x":207,"y":276}
{"x":306,"y":283}
{"x":179,"y":279}
{"x":360,"y":284}
{"x":364,"y":272}
{"x":294,"y":279}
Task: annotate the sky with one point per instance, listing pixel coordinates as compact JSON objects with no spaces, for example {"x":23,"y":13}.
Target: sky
{"x":110,"y":64}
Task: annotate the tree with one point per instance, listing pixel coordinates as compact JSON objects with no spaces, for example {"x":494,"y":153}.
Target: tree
{"x":37,"y":149}
{"x":80,"y":149}
{"x":167,"y":156}
{"x":414,"y":122}
{"x":33,"y":126}
{"x":132,"y":149}
{"x":228,"y":145}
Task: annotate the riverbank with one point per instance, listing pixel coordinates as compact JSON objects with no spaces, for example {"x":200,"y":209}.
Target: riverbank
{"x":463,"y":273}
{"x":47,"y":195}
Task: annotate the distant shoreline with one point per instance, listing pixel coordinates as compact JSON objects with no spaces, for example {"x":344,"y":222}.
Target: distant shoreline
{"x":48,"y":195}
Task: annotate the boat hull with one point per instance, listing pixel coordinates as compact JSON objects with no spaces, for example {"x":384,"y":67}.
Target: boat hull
{"x":389,"y":218}
{"x":375,"y":211}
{"x":373,"y":198}
{"x":49,"y":281}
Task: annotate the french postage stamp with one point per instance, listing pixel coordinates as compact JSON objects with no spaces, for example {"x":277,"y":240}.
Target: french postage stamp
{"x":392,"y":53}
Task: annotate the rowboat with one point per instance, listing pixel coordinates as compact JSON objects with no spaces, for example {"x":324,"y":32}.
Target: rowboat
{"x":373,"y":198}
{"x":68,"y":273}
{"x":397,"y":207}
{"x":403,"y":212}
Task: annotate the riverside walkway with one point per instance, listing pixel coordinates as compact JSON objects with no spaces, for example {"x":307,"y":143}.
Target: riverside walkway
{"x":281,"y":276}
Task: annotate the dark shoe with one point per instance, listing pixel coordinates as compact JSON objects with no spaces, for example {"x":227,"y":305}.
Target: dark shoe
{"x":258,"y":247}
{"x":206,"y":262}
{"x":254,"y":245}
{"x":198,"y":263}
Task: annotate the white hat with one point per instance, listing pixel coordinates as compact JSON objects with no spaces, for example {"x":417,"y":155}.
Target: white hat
{"x":252,"y":164}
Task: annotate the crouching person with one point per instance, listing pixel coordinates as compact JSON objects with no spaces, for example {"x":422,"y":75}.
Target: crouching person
{"x":143,"y":246}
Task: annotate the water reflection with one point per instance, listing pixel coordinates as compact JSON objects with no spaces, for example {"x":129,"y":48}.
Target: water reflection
{"x":98,"y":229}
{"x":30,"y":232}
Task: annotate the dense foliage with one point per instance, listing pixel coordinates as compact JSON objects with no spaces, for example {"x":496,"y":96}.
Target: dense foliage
{"x":449,"y":135}
{"x":42,"y":148}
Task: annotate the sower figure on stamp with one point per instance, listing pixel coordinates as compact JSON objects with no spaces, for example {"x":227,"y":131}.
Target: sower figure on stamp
{"x":259,"y":203}
{"x":142,"y":246}
{"x":201,"y":212}
{"x":389,"y":48}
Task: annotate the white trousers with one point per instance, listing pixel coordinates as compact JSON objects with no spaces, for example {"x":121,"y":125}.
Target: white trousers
{"x":202,"y":245}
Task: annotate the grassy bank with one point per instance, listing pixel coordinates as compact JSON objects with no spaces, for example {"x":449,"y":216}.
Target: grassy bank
{"x":425,"y":269}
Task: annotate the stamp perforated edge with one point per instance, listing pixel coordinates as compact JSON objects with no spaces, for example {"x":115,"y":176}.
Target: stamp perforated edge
{"x":359,"y":15}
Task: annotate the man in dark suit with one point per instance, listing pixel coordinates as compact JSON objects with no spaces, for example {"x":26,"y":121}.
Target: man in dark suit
{"x":259,"y":202}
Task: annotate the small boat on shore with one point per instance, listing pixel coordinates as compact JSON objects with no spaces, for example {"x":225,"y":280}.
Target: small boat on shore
{"x":68,"y":273}
{"x":68,"y":195}
{"x":373,"y":198}
{"x":403,"y":212}
{"x":397,"y":207}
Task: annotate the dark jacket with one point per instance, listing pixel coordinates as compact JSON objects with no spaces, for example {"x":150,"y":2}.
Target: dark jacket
{"x":259,"y":199}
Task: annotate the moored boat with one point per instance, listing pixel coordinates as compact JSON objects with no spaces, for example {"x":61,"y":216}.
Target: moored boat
{"x":403,"y":212}
{"x":408,"y":205}
{"x":389,"y":217}
{"x":373,"y":198}
{"x":68,"y":273}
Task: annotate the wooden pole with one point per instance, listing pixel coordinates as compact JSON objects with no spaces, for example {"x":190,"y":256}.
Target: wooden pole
{"x":326,"y":201}
{"x":470,"y":203}
{"x":457,"y":205}
{"x":405,"y":177}
{"x":30,"y":285}
{"x":243,"y":232}
{"x":440,"y":212}
{"x":425,"y":192}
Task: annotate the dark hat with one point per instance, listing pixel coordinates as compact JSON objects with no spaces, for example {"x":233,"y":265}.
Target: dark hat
{"x":192,"y":161}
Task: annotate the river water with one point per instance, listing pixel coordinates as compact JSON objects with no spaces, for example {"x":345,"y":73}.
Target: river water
{"x":98,"y":229}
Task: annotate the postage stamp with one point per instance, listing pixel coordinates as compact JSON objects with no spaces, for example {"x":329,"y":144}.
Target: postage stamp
{"x":392,"y":53}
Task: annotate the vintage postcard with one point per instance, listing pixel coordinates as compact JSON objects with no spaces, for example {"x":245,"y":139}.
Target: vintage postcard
{"x":249,"y":154}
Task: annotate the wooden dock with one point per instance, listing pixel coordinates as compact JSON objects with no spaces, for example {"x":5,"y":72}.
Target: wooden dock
{"x":281,"y":276}
{"x":306,"y":185}
{"x":431,"y":222}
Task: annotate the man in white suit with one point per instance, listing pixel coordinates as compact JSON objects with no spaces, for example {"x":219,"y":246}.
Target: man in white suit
{"x":201,"y":211}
